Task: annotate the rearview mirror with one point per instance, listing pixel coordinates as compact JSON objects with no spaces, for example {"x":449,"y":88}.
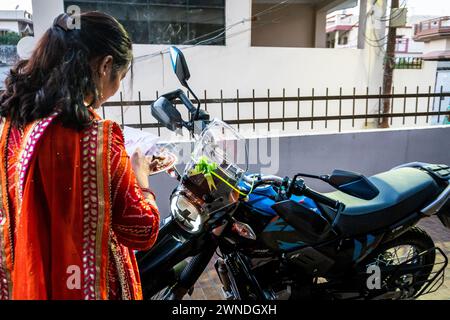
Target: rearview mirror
{"x":167,"y":114}
{"x":354,"y":184}
{"x":179,"y":65}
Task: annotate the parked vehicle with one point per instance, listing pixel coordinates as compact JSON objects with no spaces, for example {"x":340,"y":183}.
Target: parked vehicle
{"x":276,"y":238}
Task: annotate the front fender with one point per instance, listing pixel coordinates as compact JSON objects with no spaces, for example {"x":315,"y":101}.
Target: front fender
{"x":170,"y":248}
{"x":158,"y":265}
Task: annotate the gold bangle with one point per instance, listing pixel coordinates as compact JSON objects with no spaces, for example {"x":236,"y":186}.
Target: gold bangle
{"x":147,"y":190}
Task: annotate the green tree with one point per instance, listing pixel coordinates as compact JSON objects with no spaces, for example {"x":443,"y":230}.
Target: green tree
{"x":10,"y":38}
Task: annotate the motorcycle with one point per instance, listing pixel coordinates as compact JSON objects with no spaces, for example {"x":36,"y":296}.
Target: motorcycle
{"x":276,"y":238}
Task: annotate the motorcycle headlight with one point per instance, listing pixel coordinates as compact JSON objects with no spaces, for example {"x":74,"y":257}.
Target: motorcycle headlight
{"x":188,"y":215}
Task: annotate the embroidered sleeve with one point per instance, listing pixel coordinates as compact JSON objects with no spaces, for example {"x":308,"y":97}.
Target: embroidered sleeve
{"x":135,"y":219}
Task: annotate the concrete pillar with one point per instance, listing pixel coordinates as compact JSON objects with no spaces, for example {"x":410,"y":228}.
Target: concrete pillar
{"x":237,"y":22}
{"x":320,"y":40}
{"x":362,"y":23}
{"x":44,"y":12}
{"x":374,"y":55}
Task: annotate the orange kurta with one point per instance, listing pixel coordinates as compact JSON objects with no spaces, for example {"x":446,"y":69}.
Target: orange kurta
{"x":71,"y":213}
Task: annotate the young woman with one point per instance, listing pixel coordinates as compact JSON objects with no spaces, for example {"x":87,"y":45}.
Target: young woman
{"x":73,"y":206}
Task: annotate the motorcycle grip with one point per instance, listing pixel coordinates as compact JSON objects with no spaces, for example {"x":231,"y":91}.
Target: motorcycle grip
{"x":321,"y":198}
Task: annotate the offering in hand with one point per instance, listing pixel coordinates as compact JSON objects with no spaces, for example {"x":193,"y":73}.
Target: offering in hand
{"x":161,"y":161}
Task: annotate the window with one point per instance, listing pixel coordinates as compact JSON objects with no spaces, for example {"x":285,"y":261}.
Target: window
{"x":401,"y":44}
{"x":331,"y":39}
{"x":165,"y":21}
{"x":343,"y":38}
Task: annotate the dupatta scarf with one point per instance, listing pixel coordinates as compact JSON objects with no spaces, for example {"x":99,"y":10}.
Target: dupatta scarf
{"x":56,"y":238}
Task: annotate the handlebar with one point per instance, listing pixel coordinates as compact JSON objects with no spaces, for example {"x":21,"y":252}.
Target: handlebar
{"x":196,"y":115}
{"x":179,"y":94}
{"x":297,"y":190}
{"x":321,"y":198}
{"x":258,"y":180}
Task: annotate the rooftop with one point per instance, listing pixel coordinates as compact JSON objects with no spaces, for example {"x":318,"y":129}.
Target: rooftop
{"x":15,"y":15}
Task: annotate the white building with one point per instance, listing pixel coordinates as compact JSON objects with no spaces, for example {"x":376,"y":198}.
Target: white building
{"x":342,"y":32}
{"x":435,"y":36}
{"x":18,"y":21}
{"x":248,"y":45}
{"x":282,"y":46}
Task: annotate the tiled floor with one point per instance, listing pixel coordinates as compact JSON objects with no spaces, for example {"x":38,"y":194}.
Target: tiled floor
{"x":441,"y":237}
{"x":209,"y":287}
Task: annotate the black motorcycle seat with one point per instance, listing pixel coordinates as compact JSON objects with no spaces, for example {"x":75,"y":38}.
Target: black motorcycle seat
{"x":403,"y":191}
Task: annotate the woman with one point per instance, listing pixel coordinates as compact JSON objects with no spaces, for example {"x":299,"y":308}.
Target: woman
{"x":73,"y":207}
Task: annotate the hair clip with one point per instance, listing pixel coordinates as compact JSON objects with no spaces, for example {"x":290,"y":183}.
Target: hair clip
{"x":63,"y":21}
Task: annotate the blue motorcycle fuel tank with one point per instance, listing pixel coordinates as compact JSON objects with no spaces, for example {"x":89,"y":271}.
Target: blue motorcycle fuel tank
{"x":278,"y":235}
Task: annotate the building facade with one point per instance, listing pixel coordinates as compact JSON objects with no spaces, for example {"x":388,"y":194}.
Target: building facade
{"x":240,"y":47}
{"x":434,"y":34}
{"x":17,"y":21}
{"x":342,"y":32}
{"x":249,"y":42}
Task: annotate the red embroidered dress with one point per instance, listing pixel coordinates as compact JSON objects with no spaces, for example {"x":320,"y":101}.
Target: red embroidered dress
{"x":70,"y":207}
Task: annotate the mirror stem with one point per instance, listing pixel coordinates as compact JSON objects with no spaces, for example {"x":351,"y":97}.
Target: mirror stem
{"x":196,"y":99}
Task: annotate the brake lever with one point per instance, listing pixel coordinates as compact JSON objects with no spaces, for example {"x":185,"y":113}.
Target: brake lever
{"x":293,"y":185}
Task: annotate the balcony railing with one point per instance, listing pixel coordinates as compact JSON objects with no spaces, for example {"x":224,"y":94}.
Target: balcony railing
{"x":408,"y":63}
{"x":433,"y":28}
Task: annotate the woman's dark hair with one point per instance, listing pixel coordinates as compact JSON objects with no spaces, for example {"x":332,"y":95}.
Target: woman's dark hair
{"x":59,"y":74}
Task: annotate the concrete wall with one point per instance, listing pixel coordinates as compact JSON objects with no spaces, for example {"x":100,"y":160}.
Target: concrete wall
{"x":368,"y":152}
{"x":12,"y":26}
{"x":44,"y":12}
{"x":437,"y":45}
{"x":412,"y":78}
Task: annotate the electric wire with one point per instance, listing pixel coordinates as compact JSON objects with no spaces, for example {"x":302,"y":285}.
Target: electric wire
{"x":379,"y":43}
{"x":222,"y":31}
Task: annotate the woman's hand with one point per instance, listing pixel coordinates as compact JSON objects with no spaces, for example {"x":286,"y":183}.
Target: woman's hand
{"x":141,"y":168}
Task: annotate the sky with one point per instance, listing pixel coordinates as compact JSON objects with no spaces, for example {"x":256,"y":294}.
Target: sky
{"x":428,"y":7}
{"x":415,"y":7}
{"x":11,"y":5}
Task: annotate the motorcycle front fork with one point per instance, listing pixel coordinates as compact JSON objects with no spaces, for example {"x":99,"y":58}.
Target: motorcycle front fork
{"x":193,"y":270}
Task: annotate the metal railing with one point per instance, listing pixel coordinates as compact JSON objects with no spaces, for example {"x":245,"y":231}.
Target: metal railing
{"x":425,"y":28}
{"x":334,"y":108}
{"x":315,"y":111}
{"x":408,"y":63}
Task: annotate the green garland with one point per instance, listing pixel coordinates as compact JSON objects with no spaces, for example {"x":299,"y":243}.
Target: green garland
{"x":207,"y":168}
